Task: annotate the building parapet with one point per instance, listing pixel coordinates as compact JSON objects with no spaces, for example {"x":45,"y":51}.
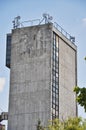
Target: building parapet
{"x":46,"y":19}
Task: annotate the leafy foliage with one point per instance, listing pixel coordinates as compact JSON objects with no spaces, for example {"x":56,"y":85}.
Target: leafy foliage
{"x":69,"y":124}
{"x":39,"y":126}
{"x":81,"y":96}
{"x":55,"y":124}
{"x":85,"y":58}
{"x":75,"y":123}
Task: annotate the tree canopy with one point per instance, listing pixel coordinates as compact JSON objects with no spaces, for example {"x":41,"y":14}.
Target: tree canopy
{"x":69,"y":124}
{"x":81,"y":96}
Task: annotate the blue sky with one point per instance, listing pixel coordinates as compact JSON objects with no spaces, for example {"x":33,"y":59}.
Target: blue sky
{"x":70,"y":14}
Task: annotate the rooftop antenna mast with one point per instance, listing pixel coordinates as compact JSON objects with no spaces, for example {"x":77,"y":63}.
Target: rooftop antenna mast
{"x":72,"y":38}
{"x":16,"y":22}
{"x":47,"y":18}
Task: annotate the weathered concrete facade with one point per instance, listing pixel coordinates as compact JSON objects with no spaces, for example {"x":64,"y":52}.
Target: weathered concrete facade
{"x":30,"y":78}
{"x":30,"y":96}
{"x":67,"y":80}
{"x":67,"y":76}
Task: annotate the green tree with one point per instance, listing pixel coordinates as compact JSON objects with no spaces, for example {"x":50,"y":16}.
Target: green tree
{"x":73,"y":124}
{"x":69,"y":124}
{"x":55,"y":124}
{"x":39,"y":126}
{"x":81,"y":95}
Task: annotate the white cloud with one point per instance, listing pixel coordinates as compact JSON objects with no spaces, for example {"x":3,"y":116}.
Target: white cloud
{"x":2,"y":83}
{"x":84,"y":20}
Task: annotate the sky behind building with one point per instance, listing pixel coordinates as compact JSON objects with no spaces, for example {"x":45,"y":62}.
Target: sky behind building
{"x":70,"y":14}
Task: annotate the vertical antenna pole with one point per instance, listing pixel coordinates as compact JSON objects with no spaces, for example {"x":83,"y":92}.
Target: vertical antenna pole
{"x":16,"y":22}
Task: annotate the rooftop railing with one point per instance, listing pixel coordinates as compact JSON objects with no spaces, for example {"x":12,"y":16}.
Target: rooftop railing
{"x":67,"y":35}
{"x":46,"y":19}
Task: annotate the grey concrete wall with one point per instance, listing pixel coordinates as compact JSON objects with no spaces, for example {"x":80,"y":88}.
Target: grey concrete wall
{"x":30,"y":96}
{"x":67,"y":79}
{"x":30,"y":78}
